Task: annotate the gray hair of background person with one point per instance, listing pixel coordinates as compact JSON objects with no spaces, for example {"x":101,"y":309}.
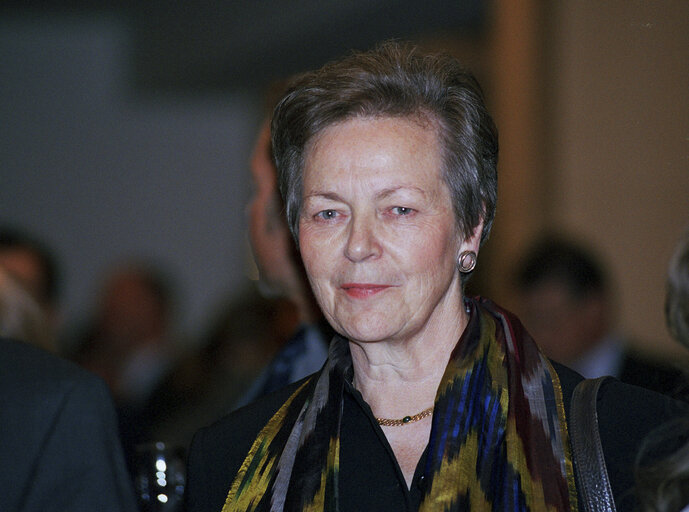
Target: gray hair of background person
{"x":21,"y":317}
{"x":394,"y":80}
{"x":677,"y":296}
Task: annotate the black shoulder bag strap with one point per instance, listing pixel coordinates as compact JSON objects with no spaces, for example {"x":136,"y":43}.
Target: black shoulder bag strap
{"x":595,"y":494}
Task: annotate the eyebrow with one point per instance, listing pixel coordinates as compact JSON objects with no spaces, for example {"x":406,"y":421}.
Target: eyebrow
{"x":390,"y":191}
{"x":325,"y":195}
{"x":387,"y":192}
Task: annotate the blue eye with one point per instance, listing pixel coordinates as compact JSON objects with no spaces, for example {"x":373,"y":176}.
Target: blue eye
{"x":401,"y":210}
{"x":327,"y":214}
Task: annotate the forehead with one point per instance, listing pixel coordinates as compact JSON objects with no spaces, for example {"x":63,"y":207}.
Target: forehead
{"x":373,"y":147}
{"x":418,"y":123}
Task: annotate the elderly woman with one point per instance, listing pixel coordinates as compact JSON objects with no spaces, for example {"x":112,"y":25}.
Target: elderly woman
{"x":429,"y":400}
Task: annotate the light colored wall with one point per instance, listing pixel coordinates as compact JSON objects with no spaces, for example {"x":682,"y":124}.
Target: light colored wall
{"x":620,"y":134}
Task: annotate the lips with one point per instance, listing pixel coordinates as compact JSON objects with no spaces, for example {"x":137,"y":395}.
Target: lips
{"x":363,"y":290}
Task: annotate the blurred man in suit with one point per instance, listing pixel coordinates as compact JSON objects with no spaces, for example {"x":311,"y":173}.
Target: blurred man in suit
{"x":567,"y":306}
{"x":60,"y":450}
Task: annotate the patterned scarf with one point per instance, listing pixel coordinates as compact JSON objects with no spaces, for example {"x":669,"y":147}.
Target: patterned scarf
{"x":498,"y":439}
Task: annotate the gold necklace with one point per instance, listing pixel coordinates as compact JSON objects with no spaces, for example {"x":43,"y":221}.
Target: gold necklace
{"x":384,"y":422}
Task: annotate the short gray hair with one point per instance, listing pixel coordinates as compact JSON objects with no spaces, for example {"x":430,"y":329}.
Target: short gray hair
{"x":394,"y":80}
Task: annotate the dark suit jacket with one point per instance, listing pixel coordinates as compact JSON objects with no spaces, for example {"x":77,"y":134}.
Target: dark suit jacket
{"x":59,"y":446}
{"x":626,"y":415}
{"x":662,"y":378}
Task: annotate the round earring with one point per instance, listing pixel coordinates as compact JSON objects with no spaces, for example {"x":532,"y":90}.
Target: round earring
{"x":467,"y":261}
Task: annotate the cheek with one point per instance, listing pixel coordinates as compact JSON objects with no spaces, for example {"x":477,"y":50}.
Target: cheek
{"x":317,"y":272}
{"x":435,"y":254}
{"x":318,"y":245}
{"x":311,"y":253}
{"x":257,"y":210}
{"x":253,"y":217}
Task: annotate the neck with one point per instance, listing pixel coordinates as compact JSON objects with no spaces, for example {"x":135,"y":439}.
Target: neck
{"x":400,"y":378}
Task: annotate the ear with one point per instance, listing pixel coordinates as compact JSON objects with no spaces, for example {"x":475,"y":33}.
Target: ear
{"x":472,"y":242}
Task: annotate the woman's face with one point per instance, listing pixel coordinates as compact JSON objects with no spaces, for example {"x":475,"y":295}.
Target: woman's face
{"x":377,"y":230}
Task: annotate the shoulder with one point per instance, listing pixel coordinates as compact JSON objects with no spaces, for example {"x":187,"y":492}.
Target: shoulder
{"x":51,"y":413}
{"x":619,"y":401}
{"x":242,"y":426}
{"x":44,"y":395}
{"x":36,"y":385}
{"x":24,"y":361}
{"x":627,"y":416}
{"x":568,"y":381}
{"x":29,"y":375}
{"x":655,"y":375}
{"x":217,"y":451}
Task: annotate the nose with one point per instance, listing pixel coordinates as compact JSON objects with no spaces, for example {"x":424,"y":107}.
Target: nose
{"x":362,"y":243}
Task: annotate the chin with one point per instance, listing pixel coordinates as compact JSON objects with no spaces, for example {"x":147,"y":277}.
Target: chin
{"x":366,"y":332}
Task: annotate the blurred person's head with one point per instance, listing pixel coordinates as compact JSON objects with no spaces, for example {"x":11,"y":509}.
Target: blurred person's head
{"x":563,"y":297}
{"x":31,"y":263}
{"x":135,"y":307}
{"x":21,"y":317}
{"x":247,"y":331}
{"x":271,"y":242}
{"x":677,"y":297}
{"x":281,"y":273}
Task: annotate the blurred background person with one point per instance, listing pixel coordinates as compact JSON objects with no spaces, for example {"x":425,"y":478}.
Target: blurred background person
{"x":131,"y":343}
{"x":567,"y":303}
{"x":281,"y":272}
{"x":264,"y":336}
{"x":664,"y":486}
{"x":60,"y":447}
{"x":244,"y":334}
{"x":34,"y":266}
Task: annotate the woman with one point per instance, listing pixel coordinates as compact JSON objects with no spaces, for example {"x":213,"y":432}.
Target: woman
{"x":428,"y":400}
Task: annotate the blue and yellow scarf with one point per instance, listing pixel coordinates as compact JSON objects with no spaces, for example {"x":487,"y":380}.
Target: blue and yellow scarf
{"x":498,"y":440}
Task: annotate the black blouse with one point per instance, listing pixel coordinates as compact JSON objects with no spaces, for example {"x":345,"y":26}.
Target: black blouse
{"x":370,"y":477}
